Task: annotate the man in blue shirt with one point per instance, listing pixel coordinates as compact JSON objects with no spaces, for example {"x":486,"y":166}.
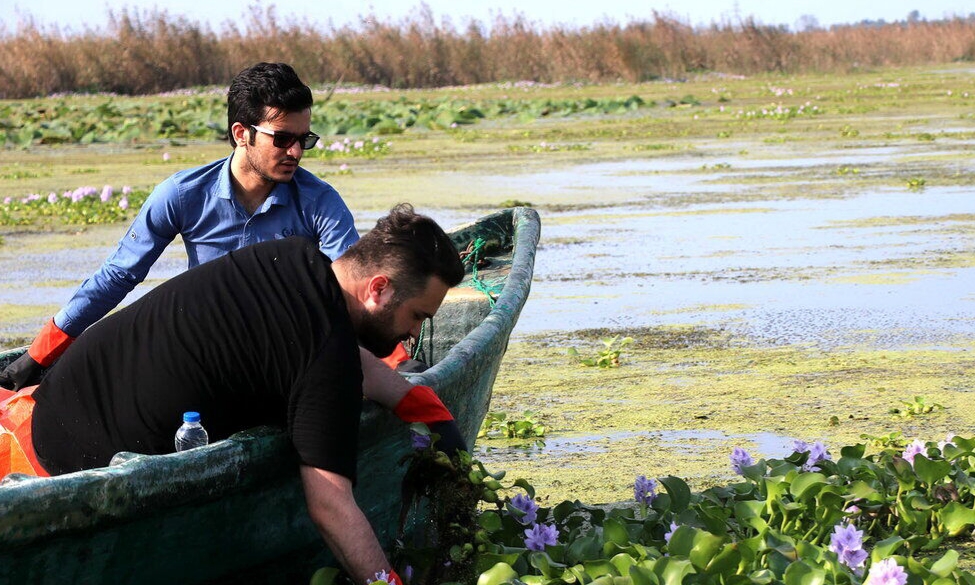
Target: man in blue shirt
{"x":257,"y":193}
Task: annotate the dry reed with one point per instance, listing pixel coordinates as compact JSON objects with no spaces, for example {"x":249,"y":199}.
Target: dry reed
{"x":148,"y":52}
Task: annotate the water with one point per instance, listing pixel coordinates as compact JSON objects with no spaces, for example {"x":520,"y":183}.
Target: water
{"x":798,"y":271}
{"x":687,"y":442}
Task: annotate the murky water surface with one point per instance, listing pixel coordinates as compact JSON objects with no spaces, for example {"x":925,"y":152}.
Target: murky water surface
{"x":678,"y":249}
{"x":827,"y":271}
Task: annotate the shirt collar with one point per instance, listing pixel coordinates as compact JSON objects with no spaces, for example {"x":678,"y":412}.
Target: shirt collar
{"x":280,"y":194}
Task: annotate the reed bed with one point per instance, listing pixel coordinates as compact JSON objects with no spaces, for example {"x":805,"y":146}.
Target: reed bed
{"x":142,"y":52}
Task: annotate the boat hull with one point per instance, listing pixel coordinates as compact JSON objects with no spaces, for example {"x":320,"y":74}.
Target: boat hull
{"x":235,"y":509}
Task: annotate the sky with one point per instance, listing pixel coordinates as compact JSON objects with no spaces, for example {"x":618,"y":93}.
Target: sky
{"x":77,"y":14}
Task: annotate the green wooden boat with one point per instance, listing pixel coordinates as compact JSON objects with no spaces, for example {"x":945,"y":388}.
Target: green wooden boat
{"x":234,"y":511}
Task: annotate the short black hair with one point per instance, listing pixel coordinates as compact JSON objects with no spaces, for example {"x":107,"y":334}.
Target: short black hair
{"x":411,"y":248}
{"x":265,"y":85}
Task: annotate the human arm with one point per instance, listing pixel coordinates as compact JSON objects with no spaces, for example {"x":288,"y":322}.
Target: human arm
{"x":155,"y":226}
{"x":342,"y":524}
{"x":26,"y":370}
{"x":328,"y":218}
{"x":409,"y":402}
{"x":142,"y":244}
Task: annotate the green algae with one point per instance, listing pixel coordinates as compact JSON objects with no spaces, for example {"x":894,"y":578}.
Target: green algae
{"x":715,"y":391}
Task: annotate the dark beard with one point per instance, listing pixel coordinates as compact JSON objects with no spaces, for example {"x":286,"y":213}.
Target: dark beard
{"x":268,"y":179}
{"x":374,"y":333}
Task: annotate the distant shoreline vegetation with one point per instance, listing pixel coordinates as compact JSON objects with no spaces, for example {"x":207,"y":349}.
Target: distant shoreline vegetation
{"x":146,"y":52}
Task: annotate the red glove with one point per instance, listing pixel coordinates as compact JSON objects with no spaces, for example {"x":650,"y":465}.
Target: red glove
{"x":398,"y":356}
{"x":49,"y":344}
{"x":26,"y":370}
{"x":421,"y":404}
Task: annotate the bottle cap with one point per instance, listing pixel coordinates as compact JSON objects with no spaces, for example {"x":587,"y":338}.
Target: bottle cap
{"x":191,"y":417}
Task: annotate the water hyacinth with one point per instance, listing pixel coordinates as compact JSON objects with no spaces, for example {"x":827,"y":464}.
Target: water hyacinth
{"x":540,"y":535}
{"x":670,"y":533}
{"x":817,"y":453}
{"x":419,"y":440}
{"x":914,"y":449}
{"x":645,"y":490}
{"x":347,"y":147}
{"x":106,"y":193}
{"x":381,"y":577}
{"x":886,"y":572}
{"x":527,"y":506}
{"x":739,"y":459}
{"x":949,"y":440}
{"x":847,"y":542}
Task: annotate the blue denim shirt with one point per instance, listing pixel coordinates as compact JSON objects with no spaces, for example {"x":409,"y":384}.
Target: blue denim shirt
{"x":199,"y":205}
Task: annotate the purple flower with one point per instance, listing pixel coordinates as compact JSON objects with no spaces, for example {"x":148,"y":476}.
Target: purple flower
{"x":539,"y":536}
{"x":668,"y":535}
{"x":383,"y":576}
{"x":854,"y":559}
{"x":52,"y":198}
{"x":948,"y":441}
{"x":645,"y":490}
{"x":7,"y":200}
{"x":165,"y":156}
{"x":800,"y":446}
{"x":106,"y":193}
{"x":126,"y":190}
{"x":845,"y":536}
{"x":914,"y":449}
{"x":847,"y":542}
{"x":420,"y":441}
{"x":886,"y":572}
{"x":740,"y":458}
{"x":123,"y":203}
{"x":527,"y":506}
{"x":817,"y":453}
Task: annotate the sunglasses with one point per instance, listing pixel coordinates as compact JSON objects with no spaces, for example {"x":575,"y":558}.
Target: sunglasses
{"x":286,"y":139}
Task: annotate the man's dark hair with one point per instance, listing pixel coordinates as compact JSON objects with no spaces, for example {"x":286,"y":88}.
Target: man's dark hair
{"x":265,"y":85}
{"x":411,"y":248}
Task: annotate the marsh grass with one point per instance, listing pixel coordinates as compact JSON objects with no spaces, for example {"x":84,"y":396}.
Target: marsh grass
{"x":151,"y":51}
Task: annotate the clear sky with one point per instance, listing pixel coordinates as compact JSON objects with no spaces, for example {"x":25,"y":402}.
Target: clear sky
{"x":77,"y":14}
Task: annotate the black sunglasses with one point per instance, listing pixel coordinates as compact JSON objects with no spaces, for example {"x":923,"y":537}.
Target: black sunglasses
{"x":286,"y":139}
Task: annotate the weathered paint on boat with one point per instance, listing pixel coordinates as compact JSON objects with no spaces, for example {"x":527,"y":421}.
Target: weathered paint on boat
{"x":234,"y":511}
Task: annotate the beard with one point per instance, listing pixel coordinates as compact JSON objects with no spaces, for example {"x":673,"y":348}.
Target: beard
{"x":261,"y":168}
{"x":375,"y":332}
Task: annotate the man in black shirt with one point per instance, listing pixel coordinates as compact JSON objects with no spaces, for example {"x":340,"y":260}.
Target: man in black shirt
{"x":268,"y":334}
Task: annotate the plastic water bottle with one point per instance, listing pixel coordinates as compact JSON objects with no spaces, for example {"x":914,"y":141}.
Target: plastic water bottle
{"x":191,"y":434}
